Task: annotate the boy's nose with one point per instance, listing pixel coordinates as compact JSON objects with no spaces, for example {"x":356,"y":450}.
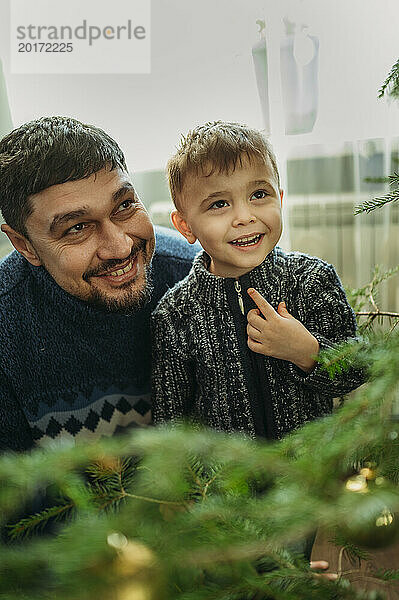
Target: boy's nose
{"x":243,"y":215}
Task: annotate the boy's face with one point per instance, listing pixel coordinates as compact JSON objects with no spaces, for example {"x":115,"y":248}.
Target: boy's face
{"x":236,"y":216}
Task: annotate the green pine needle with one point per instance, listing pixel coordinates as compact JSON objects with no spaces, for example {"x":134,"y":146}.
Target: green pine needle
{"x":387,"y":575}
{"x":391,"y":83}
{"x":34,"y":523}
{"x":370,"y":205}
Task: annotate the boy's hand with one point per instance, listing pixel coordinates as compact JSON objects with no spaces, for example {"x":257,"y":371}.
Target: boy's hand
{"x":323,"y":564}
{"x":279,"y":334}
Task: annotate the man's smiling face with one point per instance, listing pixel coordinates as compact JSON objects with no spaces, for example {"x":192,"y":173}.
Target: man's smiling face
{"x":95,"y":238}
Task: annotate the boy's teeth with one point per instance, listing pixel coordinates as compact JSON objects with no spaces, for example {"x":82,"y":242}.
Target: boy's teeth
{"x":247,"y":241}
{"x":122,"y":271}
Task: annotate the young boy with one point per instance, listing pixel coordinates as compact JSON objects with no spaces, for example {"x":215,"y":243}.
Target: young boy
{"x":235,"y":341}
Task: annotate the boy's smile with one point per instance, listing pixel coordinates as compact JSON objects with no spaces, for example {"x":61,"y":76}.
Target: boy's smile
{"x":243,"y":243}
{"x":236,"y":216}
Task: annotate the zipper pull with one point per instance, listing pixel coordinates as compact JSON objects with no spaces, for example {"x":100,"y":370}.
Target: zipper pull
{"x":240,"y":300}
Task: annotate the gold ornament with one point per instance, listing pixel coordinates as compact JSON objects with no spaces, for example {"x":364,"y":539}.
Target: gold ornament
{"x":377,"y":530}
{"x":133,"y":558}
{"x":368,"y":473}
{"x":134,"y":590}
{"x":135,"y":567}
{"x":357,"y":483}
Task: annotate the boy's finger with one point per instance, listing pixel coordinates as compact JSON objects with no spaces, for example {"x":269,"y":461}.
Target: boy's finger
{"x":323,"y":565}
{"x":253,"y":312}
{"x":256,"y":320}
{"x":253,"y":333}
{"x":265,"y":308}
{"x":254,"y":346}
{"x":319,"y":564}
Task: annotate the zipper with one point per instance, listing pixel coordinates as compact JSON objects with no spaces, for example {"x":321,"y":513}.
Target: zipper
{"x":239,"y":303}
{"x":237,"y":286}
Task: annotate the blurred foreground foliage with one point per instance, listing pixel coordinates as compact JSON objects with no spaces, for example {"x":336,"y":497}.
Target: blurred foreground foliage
{"x":186,"y":513}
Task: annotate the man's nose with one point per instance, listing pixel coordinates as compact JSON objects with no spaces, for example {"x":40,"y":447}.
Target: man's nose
{"x":243,"y":215}
{"x":113,"y":242}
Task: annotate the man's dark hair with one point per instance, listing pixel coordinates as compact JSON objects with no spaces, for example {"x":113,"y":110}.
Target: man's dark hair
{"x":46,"y":152}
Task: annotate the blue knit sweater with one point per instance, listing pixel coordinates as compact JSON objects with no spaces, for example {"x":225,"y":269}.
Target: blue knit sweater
{"x":68,"y":369}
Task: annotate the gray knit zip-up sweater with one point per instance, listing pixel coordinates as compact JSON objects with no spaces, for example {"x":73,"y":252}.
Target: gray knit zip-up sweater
{"x":201,"y":363}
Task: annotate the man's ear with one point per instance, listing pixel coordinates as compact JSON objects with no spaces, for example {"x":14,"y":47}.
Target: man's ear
{"x":182,"y":226}
{"x":22,"y":245}
{"x":281,"y":196}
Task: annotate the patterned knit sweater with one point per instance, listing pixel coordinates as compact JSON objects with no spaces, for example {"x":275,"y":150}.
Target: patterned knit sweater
{"x":203,"y":368}
{"x":68,"y":369}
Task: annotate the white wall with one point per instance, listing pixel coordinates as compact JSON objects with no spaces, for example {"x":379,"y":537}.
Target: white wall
{"x":202,"y":70}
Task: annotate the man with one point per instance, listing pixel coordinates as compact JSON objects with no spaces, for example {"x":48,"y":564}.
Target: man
{"x":76,"y":297}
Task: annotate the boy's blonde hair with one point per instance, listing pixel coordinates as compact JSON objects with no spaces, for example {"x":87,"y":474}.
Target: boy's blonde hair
{"x":217,"y":146}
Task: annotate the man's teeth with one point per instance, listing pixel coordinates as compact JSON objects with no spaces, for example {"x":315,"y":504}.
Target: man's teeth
{"x":121,"y":271}
{"x":247,"y":241}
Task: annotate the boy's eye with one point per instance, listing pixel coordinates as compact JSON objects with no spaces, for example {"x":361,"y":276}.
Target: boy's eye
{"x":259,"y":194}
{"x":218,"y":204}
{"x":126,"y":204}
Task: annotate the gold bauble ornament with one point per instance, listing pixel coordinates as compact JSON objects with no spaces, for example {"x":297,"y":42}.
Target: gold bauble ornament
{"x":377,"y":530}
{"x":134,"y":590}
{"x":135,"y":566}
{"x":133,"y":558}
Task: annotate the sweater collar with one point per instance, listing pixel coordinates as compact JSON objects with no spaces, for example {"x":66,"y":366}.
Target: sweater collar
{"x":212,"y":289}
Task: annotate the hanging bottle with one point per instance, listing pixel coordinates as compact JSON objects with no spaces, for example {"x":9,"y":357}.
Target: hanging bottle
{"x":259,"y":55}
{"x":299,"y":63}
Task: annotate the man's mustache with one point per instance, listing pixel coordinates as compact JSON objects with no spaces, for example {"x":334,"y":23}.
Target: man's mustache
{"x":114,"y":263}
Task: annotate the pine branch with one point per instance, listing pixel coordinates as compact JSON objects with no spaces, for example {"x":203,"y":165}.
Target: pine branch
{"x":202,"y":477}
{"x":370,"y":205}
{"x":387,"y":575}
{"x":113,"y":470}
{"x":394,"y":179}
{"x":341,"y":358}
{"x":379,"y":276}
{"x":30,"y":525}
{"x":376,"y":179}
{"x":111,"y":480}
{"x":353,"y":553}
{"x":359,"y":297}
{"x":377,"y":313}
{"x":391,"y":83}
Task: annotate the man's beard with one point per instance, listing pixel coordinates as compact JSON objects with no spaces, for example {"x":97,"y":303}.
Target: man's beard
{"x":130,"y":302}
{"x":134,"y":299}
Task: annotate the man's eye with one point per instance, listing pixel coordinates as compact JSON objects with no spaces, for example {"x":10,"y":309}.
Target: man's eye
{"x":76,"y":228}
{"x":219,"y":204}
{"x":259,"y":194}
{"x":125,"y":205}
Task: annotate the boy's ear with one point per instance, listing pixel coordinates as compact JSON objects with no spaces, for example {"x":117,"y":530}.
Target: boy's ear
{"x":22,"y":245}
{"x":181,"y":225}
{"x":281,"y":196}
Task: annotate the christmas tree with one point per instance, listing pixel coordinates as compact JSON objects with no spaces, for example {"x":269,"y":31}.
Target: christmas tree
{"x":184,"y":513}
